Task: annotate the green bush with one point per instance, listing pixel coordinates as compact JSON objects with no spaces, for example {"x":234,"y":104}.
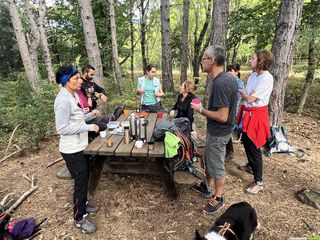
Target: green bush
{"x":34,"y":112}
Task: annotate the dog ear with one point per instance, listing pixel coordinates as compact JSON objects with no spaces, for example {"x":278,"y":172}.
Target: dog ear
{"x":198,"y":236}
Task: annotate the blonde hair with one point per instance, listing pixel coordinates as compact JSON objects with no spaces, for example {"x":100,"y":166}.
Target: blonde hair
{"x":190,"y":86}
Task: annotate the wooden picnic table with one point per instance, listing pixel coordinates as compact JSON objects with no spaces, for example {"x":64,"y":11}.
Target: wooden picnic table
{"x":126,"y":158}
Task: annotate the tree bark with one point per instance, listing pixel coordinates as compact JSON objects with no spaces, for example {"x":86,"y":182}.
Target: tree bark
{"x":167,"y":76}
{"x":219,"y":29}
{"x":184,"y":42}
{"x":44,"y":41}
{"x":32,"y":70}
{"x":143,"y":34}
{"x":115,"y":56}
{"x":310,"y":76}
{"x":34,"y":38}
{"x":287,"y":26}
{"x":91,"y":40}
{"x":132,"y":43}
{"x":198,"y":42}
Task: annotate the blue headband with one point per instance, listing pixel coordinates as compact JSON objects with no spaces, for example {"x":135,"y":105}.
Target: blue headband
{"x":66,"y":77}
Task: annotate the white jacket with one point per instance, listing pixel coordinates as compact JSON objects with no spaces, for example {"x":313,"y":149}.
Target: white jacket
{"x":70,"y":123}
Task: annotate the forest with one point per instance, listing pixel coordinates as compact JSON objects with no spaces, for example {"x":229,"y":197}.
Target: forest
{"x":119,"y":38}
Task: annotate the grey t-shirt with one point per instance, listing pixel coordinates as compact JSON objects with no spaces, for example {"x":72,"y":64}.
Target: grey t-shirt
{"x":223,"y":93}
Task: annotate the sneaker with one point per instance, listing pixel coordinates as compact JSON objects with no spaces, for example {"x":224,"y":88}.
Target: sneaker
{"x":92,"y":207}
{"x":85,"y":225}
{"x":255,"y":188}
{"x":213,"y":205}
{"x":246,"y":168}
{"x":202,"y":188}
{"x":64,"y":173}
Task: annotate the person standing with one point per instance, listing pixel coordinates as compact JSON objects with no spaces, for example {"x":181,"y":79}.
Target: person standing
{"x":234,"y":70}
{"x":220,"y":118}
{"x":253,"y":118}
{"x":150,"y":90}
{"x":73,"y":130}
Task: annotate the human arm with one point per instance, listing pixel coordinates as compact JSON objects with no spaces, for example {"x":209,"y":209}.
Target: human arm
{"x":62,"y":119}
{"x":221,"y":115}
{"x":248,"y":97}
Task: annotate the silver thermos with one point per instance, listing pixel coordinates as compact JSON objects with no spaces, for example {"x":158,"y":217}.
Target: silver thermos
{"x":143,"y":129}
{"x":133,"y":126}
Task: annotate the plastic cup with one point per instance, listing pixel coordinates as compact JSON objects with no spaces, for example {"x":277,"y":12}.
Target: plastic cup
{"x":151,"y":145}
{"x":139,"y":144}
{"x":196,"y":100}
{"x":103,"y":134}
{"x":159,"y":114}
{"x":126,"y":113}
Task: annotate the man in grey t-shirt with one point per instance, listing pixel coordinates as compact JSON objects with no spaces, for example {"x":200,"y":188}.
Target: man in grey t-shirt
{"x":220,"y":119}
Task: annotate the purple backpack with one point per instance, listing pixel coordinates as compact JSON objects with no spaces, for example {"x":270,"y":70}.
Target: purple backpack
{"x":25,"y":228}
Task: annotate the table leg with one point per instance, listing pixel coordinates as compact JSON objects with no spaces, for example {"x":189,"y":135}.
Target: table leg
{"x":171,"y":186}
{"x":95,"y":174}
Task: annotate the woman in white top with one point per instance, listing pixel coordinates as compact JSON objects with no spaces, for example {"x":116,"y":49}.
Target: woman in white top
{"x":254,"y":117}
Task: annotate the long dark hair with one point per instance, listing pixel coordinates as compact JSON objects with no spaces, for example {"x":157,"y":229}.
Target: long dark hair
{"x":235,"y":67}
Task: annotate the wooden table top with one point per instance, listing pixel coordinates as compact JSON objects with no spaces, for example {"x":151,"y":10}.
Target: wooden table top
{"x":99,"y":145}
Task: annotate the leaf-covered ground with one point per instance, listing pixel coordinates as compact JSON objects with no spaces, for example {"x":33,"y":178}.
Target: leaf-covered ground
{"x":136,"y":207}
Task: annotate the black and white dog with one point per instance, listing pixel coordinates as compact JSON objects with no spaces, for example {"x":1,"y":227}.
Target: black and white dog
{"x":238,"y":222}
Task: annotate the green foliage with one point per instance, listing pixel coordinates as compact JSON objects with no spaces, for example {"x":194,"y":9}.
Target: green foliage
{"x":34,"y":112}
{"x":9,"y":53}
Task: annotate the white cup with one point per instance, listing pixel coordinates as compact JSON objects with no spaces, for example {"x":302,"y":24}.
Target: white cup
{"x":139,"y":144}
{"x":103,"y":134}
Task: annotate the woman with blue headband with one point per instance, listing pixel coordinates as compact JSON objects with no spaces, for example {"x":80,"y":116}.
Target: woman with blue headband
{"x":73,"y":131}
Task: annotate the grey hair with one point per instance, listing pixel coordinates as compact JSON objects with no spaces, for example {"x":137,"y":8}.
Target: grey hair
{"x":217,"y":53}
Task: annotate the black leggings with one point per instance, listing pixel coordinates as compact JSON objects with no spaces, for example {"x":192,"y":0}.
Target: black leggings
{"x":254,"y":156}
{"x":78,"y":167}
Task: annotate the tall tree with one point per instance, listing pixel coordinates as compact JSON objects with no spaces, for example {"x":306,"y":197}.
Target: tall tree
{"x":198,"y":40}
{"x":184,"y":42}
{"x":143,"y":16}
{"x":312,"y":10}
{"x":91,"y":40}
{"x":167,"y":76}
{"x":32,"y":70}
{"x":44,"y":41}
{"x":132,"y":41}
{"x":286,"y":32}
{"x":219,"y":32}
{"x":33,"y":38}
{"x":115,"y":56}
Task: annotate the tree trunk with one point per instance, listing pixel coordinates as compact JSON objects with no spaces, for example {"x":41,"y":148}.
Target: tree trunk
{"x":132,"y":43}
{"x":43,"y":40}
{"x":235,"y":52}
{"x":309,"y":78}
{"x":115,"y":56}
{"x":219,"y":32}
{"x":198,"y":42}
{"x":143,"y":35}
{"x":167,"y":76}
{"x":32,"y":71}
{"x":91,"y":39}
{"x":184,"y":42}
{"x":34,"y":38}
{"x":287,"y":26}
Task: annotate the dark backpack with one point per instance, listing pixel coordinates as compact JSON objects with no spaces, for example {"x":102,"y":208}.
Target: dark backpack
{"x":163,"y":127}
{"x":117,"y":113}
{"x":25,"y":228}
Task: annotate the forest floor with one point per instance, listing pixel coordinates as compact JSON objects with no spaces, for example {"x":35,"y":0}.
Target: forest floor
{"x":136,"y":207}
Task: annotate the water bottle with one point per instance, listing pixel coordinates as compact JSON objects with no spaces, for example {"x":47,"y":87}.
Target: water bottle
{"x":143,"y":129}
{"x":126,"y":135}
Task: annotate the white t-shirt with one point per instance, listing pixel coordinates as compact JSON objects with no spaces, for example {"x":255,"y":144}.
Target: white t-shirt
{"x":262,"y":85}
